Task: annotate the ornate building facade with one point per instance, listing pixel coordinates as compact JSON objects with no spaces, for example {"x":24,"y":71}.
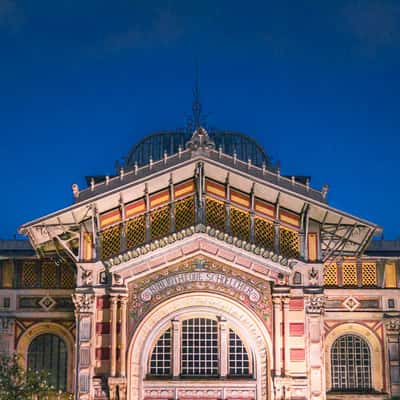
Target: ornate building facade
{"x":199,"y":272}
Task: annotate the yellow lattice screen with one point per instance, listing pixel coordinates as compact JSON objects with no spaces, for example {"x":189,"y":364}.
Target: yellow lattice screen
{"x":67,"y":277}
{"x":264,"y":233}
{"x":349,"y":274}
{"x":289,"y":243}
{"x":240,"y":223}
{"x":160,"y":223}
{"x":110,"y":242}
{"x":369,"y":277}
{"x":136,"y":231}
{"x":330,"y":275}
{"x":215,"y":214}
{"x":184,"y":213}
{"x":29,"y":274}
{"x":49,"y":275}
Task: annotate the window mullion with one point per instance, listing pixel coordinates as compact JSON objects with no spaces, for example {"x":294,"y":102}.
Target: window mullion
{"x":223,"y":348}
{"x":176,"y":345}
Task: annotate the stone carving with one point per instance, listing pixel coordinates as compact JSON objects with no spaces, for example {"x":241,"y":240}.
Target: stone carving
{"x":351,"y":303}
{"x":200,"y":139}
{"x":117,"y":279}
{"x":83,"y":302}
{"x":393,"y":324}
{"x":47,"y":303}
{"x":149,"y":291}
{"x":86,"y":277}
{"x":315,"y":304}
{"x":6,"y":325}
{"x":313,"y":277}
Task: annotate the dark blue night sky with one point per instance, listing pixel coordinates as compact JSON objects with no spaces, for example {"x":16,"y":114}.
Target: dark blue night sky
{"x":315,"y":82}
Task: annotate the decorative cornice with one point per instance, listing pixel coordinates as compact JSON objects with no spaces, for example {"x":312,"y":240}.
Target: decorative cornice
{"x":222,"y":236}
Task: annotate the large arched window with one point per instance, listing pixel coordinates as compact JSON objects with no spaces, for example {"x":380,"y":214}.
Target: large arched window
{"x":205,"y":348}
{"x":48,"y":352}
{"x":351,"y":364}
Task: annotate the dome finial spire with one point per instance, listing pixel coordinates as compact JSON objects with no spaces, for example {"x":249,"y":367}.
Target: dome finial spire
{"x":196,"y":105}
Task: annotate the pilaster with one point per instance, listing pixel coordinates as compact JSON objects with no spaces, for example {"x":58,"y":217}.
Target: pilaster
{"x":392,"y":330}
{"x":315,"y":358}
{"x":84,"y":360}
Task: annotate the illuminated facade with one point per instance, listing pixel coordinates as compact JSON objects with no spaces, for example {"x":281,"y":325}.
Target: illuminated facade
{"x":199,"y":272}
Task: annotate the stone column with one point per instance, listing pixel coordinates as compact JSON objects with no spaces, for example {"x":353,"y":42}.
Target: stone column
{"x":114,"y":307}
{"x":392,"y":328}
{"x":223,"y":346}
{"x":124,"y":301}
{"x":277,"y":334}
{"x":84,"y":351}
{"x":286,"y":334}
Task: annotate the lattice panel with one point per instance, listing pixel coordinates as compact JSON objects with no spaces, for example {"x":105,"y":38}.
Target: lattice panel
{"x":349,"y":274}
{"x":160,"y":223}
{"x":110,"y":242}
{"x":215,"y":214}
{"x":67,"y":277}
{"x":136,"y":232}
{"x":240,"y":223}
{"x":369,"y":274}
{"x":264,"y":233}
{"x":289,"y":243}
{"x":330,"y":275}
{"x":184,"y":213}
{"x":29,"y":274}
{"x":49,"y":275}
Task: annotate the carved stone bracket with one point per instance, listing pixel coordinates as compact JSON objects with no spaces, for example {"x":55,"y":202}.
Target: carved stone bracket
{"x":117,"y":388}
{"x":315,"y":304}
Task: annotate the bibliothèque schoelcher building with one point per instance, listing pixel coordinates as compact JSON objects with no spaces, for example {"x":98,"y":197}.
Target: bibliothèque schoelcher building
{"x":198,"y":271}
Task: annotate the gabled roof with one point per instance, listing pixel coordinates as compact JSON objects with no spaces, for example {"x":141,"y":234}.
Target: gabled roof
{"x":341,"y":233}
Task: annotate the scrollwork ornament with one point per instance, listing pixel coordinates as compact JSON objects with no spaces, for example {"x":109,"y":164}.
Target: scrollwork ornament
{"x":83,"y":302}
{"x":315,"y":304}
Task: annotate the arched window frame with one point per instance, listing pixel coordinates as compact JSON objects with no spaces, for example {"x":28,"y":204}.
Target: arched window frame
{"x":50,"y":339}
{"x":52,"y":328}
{"x":364,"y":343}
{"x":373,"y":341}
{"x":176,"y":326}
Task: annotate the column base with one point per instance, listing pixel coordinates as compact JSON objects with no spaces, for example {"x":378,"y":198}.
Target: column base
{"x":117,"y":388}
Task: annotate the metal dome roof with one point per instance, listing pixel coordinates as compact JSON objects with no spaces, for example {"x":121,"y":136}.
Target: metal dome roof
{"x":155,"y":145}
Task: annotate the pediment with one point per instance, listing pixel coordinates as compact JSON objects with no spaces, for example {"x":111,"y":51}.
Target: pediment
{"x":256,"y":261}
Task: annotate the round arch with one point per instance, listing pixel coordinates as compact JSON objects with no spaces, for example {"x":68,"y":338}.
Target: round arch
{"x":373,"y":343}
{"x":247,"y":324}
{"x":48,"y":328}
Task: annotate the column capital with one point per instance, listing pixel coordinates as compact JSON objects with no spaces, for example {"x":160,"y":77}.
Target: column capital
{"x":285,"y":301}
{"x":276,"y":299}
{"x":392,"y":325}
{"x":114,"y":300}
{"x":83,"y":302}
{"x":315,"y":304}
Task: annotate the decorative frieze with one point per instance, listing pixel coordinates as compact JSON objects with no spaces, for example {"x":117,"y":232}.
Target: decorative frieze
{"x":199,"y":275}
